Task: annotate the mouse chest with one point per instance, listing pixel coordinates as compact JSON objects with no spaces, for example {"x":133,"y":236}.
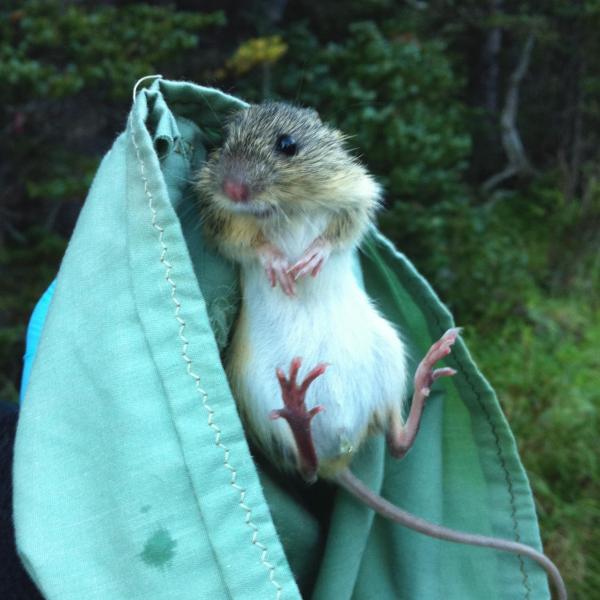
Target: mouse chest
{"x":328,"y":315}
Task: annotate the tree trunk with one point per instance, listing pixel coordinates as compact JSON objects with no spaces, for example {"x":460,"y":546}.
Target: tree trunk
{"x":490,"y":63}
{"x":518,"y":163}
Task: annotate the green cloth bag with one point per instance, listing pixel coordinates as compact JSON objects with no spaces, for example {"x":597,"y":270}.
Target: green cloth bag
{"x":133,"y":478}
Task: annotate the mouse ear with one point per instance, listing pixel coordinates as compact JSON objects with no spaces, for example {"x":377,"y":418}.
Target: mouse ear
{"x":310,"y":112}
{"x":232,"y":120}
{"x":235,"y":114}
{"x":313,"y":113}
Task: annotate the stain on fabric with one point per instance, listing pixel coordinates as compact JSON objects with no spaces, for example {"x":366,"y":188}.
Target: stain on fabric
{"x":146,"y":508}
{"x":159,"y":549}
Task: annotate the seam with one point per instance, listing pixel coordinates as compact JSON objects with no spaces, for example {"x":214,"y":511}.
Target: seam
{"x":507,"y":476}
{"x":197,"y":380}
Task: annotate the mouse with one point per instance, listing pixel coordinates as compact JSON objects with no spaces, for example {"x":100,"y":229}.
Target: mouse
{"x":314,"y":367}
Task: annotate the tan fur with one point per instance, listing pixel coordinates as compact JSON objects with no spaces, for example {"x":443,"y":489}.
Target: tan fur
{"x":236,"y":236}
{"x":323,"y":178}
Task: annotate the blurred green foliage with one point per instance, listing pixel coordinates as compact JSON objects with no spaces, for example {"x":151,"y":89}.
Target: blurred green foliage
{"x":396,"y":95}
{"x":420,"y":88}
{"x":57,"y":49}
{"x":544,"y":366}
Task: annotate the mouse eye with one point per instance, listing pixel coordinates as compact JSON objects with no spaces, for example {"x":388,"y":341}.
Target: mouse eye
{"x":287,"y":145}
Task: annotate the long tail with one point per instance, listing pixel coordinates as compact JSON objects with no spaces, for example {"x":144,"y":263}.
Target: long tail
{"x":386,"y":509}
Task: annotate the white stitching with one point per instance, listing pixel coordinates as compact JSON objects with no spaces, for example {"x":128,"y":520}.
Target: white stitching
{"x":185,"y":344}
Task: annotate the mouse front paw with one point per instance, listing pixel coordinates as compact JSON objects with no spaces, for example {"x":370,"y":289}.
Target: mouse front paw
{"x":312,"y":260}
{"x":277,"y":266}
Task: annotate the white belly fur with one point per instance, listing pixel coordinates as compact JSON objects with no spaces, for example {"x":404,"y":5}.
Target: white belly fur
{"x":330,"y":320}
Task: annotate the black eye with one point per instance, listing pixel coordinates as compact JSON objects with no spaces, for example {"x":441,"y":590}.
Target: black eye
{"x":287,"y":145}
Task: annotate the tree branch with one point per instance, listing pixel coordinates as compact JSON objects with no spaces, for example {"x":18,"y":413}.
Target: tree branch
{"x":518,"y":163}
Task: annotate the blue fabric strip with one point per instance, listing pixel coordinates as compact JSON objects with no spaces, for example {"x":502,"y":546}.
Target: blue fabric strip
{"x":34,"y":332}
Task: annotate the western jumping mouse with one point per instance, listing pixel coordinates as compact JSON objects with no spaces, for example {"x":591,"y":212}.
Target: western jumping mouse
{"x":284,"y":198}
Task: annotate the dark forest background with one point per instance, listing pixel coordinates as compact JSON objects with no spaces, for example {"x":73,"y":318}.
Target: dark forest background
{"x":481,"y":119}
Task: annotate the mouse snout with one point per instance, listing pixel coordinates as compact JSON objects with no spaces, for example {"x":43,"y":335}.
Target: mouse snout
{"x":237,"y":190}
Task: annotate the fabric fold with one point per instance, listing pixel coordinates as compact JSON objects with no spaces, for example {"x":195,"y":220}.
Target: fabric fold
{"x":133,"y":477}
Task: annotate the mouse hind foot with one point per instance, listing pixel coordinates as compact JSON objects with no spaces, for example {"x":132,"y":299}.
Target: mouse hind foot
{"x":401,"y":436}
{"x":298,"y":416}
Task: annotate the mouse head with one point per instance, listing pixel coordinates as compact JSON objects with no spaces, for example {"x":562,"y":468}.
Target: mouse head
{"x":280,"y":158}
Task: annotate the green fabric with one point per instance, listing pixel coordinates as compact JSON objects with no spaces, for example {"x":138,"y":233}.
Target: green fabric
{"x":133,"y":478}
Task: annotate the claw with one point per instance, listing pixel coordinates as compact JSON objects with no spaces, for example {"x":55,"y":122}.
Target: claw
{"x":444,"y":372}
{"x":294,"y":368}
{"x":316,"y":372}
{"x":316,"y":410}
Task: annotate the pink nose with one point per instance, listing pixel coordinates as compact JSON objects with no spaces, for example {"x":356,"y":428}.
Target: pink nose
{"x":236,"y":190}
